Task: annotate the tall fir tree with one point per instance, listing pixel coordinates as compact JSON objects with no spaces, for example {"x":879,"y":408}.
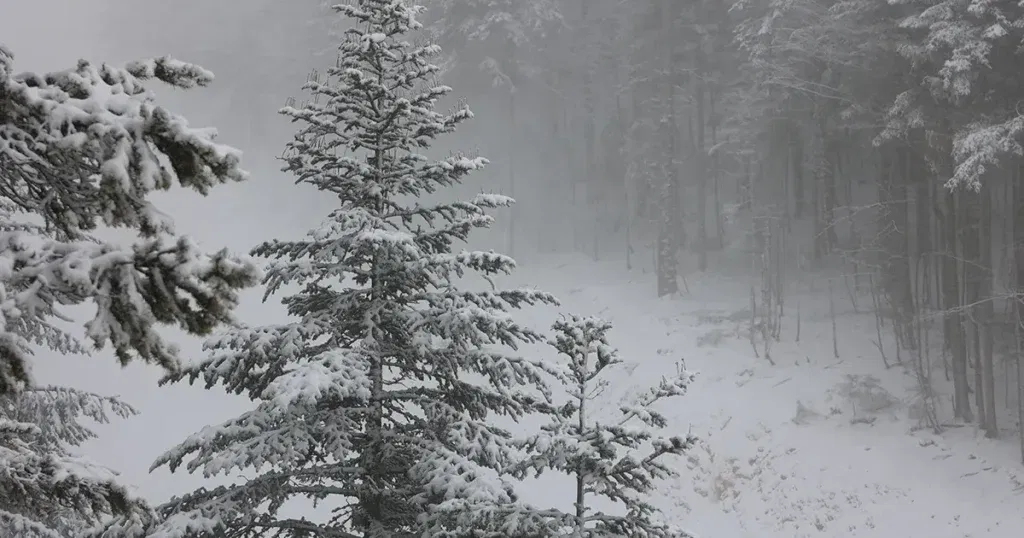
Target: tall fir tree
{"x":378,"y":397}
{"x":605,"y":458}
{"x":47,"y":491}
{"x":82,"y":149}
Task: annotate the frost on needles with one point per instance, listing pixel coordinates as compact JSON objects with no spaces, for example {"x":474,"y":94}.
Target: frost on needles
{"x":376,"y":400}
{"x":82,"y":149}
{"x":602,"y":453}
{"x":46,"y":490}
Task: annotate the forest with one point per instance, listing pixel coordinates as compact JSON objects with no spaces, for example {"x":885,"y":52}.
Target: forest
{"x":876,"y":140}
{"x":870,"y":145}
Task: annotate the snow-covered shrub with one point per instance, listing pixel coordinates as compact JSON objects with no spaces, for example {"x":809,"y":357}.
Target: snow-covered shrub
{"x":865,"y":394}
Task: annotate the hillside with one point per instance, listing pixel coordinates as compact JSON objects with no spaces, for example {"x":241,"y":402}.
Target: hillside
{"x":789,"y":450}
{"x":810,"y":447}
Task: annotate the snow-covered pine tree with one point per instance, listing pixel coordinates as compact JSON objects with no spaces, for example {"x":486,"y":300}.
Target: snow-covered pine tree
{"x":46,"y":490}
{"x":84,"y":148}
{"x":604,"y":458}
{"x":378,"y":397}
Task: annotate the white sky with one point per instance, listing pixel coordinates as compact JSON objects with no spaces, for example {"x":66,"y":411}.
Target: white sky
{"x":47,"y":35}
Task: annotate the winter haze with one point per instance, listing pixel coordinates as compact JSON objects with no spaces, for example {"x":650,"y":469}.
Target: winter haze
{"x":815,"y":206}
{"x":230,"y":216}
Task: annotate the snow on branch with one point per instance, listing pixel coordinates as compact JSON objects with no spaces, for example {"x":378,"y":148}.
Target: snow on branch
{"x":379,"y":393}
{"x":133,"y":288}
{"x":980,"y":147}
{"x":84,"y":148}
{"x":606,"y":458}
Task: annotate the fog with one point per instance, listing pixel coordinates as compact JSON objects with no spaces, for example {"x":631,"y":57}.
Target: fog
{"x":55,"y":34}
{"x":261,"y":53}
{"x":837,"y":198}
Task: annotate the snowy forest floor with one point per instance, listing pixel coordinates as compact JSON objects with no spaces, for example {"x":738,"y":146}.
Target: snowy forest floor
{"x":811,"y":447}
{"x":762,"y":469}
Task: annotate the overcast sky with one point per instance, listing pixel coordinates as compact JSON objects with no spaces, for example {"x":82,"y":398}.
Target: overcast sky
{"x":46,"y":35}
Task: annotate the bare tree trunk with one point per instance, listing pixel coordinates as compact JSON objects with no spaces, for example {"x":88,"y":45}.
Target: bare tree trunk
{"x":819,"y":226}
{"x":715,"y":173}
{"x":627,"y":187}
{"x":668,"y":196}
{"x":953,"y":314}
{"x":747,"y":183}
{"x":896,"y":283}
{"x":970,"y":239}
{"x":923,"y":205}
{"x":781,"y":145}
{"x":1018,"y":337}
{"x":906,"y":331}
{"x":565,"y":143}
{"x":1018,"y":255}
{"x":544,"y":240}
{"x":699,"y":164}
{"x":824,"y":188}
{"x":796,"y":157}
{"x":986,"y":313}
{"x":512,"y":170}
{"x":593,"y":186}
{"x":831,"y":199}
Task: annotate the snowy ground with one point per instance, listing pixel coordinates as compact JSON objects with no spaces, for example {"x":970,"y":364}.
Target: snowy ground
{"x":762,"y":471}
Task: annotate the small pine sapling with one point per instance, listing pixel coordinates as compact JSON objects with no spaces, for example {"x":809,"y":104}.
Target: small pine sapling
{"x":603,"y":456}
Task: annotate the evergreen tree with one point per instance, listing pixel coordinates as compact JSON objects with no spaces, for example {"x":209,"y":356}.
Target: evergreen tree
{"x":377,"y":398}
{"x":602,"y":457}
{"x":469,"y":27}
{"x":81,"y":149}
{"x":46,"y":491}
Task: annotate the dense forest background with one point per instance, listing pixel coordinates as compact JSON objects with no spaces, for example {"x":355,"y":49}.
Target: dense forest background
{"x":874,"y":142}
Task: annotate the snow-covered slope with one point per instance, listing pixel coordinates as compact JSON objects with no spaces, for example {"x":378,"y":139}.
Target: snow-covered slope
{"x":762,"y":470}
{"x":811,"y":447}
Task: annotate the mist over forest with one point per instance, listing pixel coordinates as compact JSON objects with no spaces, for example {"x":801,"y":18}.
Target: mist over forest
{"x":800,"y":221}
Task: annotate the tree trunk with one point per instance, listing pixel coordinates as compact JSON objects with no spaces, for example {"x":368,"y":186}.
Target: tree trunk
{"x":953,"y":316}
{"x":968,"y":236}
{"x":668,"y":195}
{"x":715,"y":173}
{"x":831,"y":199}
{"x":583,"y":369}
{"x":746,"y":183}
{"x":627,"y":188}
{"x":512,"y":170}
{"x":824,"y":185}
{"x":781,"y":147}
{"x":923,"y":205}
{"x":895,"y":262}
{"x":700,"y":168}
{"x":986,"y":311}
{"x":1018,"y":255}
{"x":568,"y":173}
{"x":796,"y":158}
{"x":593,"y":185}
{"x":819,"y":227}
